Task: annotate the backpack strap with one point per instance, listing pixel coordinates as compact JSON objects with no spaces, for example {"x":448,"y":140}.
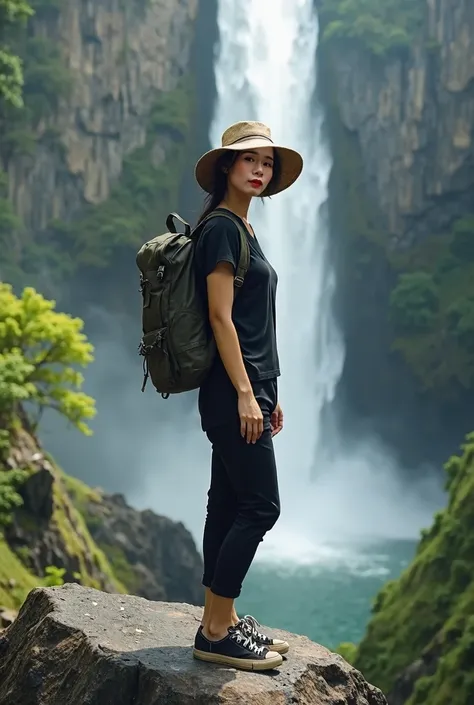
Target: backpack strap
{"x":172,"y":227}
{"x":244,"y":259}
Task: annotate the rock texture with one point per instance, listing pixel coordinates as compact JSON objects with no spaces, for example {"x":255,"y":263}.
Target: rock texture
{"x":47,"y":530}
{"x":120,"y":55}
{"x":81,"y":646}
{"x":7,"y":617}
{"x":161,"y":552}
{"x":98,"y":539}
{"x":414,"y":119}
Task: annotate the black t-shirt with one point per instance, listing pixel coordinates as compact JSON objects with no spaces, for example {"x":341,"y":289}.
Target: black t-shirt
{"x":253,"y":312}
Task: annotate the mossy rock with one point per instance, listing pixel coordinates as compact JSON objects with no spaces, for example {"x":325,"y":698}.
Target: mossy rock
{"x":430,"y":608}
{"x":79,"y":544}
{"x":16,"y":581}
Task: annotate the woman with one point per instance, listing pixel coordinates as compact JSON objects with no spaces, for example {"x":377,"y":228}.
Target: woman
{"x":238,"y":401}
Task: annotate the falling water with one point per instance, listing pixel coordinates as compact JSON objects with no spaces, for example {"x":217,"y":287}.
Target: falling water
{"x":266,"y":70}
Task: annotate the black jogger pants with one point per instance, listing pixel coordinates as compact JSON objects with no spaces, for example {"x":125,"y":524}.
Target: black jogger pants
{"x":243,"y":504}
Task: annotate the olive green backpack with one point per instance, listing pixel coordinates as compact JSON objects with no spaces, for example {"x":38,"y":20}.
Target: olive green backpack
{"x":177,"y":345}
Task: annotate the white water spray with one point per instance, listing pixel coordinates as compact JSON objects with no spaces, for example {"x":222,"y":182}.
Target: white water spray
{"x":266,"y":70}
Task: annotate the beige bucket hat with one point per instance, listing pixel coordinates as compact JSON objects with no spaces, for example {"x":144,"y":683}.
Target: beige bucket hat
{"x":243,"y":136}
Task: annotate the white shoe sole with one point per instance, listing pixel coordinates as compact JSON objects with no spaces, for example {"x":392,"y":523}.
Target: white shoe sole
{"x":242,"y":663}
{"x":280,"y":648}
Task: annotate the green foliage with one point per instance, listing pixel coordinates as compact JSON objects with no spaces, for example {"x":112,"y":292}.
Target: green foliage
{"x":47,"y":79}
{"x":12,"y":569}
{"x":53,"y":576}
{"x":121,"y":567}
{"x":433,"y":308}
{"x":39,"y":351}
{"x":76,"y":537}
{"x":379,"y":26}
{"x":11,"y":78}
{"x":10,"y":481}
{"x":414,"y":302}
{"x":84,"y":498}
{"x":12,"y":12}
{"x":348,"y":651}
{"x":429,"y":608}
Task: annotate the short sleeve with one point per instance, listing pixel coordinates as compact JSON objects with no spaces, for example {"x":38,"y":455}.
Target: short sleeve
{"x":219,"y":242}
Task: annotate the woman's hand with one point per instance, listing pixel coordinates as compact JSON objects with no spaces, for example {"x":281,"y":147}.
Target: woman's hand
{"x":251,"y":417}
{"x":276,"y":420}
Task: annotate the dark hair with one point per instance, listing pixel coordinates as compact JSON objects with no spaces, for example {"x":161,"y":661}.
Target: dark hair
{"x":226,"y":161}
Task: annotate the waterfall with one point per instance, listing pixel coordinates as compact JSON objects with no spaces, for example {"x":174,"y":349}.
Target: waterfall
{"x":265,"y":70}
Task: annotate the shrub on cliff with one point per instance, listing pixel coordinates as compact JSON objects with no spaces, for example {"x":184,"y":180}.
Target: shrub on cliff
{"x":414,"y":302}
{"x":10,"y":481}
{"x":12,"y":12}
{"x":40,"y":350}
{"x":377,"y":25}
{"x":432,"y":308}
{"x":428,"y":611}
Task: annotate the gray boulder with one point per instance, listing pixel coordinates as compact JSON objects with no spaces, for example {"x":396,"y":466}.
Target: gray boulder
{"x":79,"y":646}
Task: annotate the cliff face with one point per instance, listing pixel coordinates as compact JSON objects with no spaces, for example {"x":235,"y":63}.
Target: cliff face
{"x":413,"y":115}
{"x":46,"y":530}
{"x":400,"y":116}
{"x":120,"y":57}
{"x":419,"y":642}
{"x":153,"y":555}
{"x":97,"y":540}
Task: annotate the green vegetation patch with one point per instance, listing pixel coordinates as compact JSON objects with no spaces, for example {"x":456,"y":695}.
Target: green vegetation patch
{"x":379,"y":26}
{"x":84,"y":499}
{"x":15,"y":580}
{"x":432,"y":308}
{"x":78,"y":541}
{"x":431,"y":606}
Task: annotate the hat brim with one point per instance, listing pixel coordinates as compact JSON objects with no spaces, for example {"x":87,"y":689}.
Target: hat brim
{"x":291,"y":163}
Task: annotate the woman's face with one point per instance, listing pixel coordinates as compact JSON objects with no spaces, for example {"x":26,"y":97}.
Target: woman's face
{"x":252,"y":171}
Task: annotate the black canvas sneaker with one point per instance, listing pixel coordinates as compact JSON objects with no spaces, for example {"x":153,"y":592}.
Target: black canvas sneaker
{"x":250,"y":627}
{"x":237,"y":650}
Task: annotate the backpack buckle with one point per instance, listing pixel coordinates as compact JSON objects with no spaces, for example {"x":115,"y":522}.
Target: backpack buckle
{"x":238,"y":280}
{"x":161,"y":272}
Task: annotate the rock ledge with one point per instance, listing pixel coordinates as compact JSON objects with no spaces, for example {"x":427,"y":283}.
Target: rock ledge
{"x":79,"y":646}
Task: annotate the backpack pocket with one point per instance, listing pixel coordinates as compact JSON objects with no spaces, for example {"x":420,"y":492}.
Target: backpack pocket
{"x":193,"y":347}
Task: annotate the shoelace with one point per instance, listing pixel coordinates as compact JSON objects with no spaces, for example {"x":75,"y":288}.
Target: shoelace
{"x":247,"y":642}
{"x":252,"y":625}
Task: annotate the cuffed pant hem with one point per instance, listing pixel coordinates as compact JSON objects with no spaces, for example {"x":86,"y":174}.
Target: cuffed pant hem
{"x":223,"y":592}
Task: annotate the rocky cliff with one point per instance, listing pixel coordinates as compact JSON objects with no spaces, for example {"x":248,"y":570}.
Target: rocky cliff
{"x":120,"y":57}
{"x":79,"y":534}
{"x":419,"y":643}
{"x":155,"y":556}
{"x":93,"y":160}
{"x":413,"y":115}
{"x":398,"y":85}
{"x":81,"y":646}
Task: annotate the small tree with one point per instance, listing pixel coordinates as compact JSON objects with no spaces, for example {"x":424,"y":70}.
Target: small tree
{"x":40,"y":350}
{"x":10,"y":482}
{"x":12,"y":12}
{"x":414,"y":302}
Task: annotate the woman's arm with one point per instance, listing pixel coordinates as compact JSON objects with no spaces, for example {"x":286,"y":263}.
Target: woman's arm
{"x":220,"y":291}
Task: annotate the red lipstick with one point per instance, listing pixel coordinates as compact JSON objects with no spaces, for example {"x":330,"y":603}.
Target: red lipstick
{"x":256,"y":182}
